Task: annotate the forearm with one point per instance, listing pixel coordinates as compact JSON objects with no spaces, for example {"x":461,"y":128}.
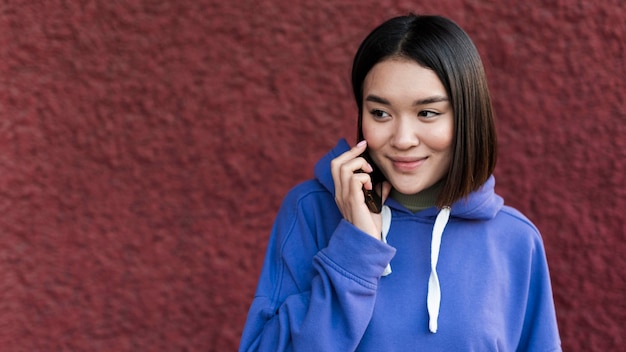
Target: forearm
{"x":334,"y":313}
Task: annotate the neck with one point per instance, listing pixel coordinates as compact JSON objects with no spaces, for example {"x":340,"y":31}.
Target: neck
{"x":418,"y":201}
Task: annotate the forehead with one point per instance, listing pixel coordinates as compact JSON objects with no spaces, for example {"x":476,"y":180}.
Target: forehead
{"x":402,"y":78}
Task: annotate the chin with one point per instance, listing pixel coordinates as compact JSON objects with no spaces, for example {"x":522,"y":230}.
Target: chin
{"x":411,"y":185}
{"x":410,"y":189}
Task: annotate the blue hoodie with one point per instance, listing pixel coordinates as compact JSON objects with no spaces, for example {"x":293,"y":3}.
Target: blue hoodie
{"x":325,"y":284}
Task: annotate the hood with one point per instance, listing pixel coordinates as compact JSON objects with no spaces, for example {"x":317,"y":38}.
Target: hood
{"x":322,"y":168}
{"x":482,"y":204}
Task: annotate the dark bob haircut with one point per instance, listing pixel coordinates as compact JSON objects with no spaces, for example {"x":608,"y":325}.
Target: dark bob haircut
{"x":439,"y":44}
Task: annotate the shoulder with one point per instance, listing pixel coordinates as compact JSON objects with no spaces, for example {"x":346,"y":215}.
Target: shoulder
{"x":516,"y":226}
{"x":516,"y":217}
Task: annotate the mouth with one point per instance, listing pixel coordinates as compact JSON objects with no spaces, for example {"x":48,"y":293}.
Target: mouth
{"x":407,"y":164}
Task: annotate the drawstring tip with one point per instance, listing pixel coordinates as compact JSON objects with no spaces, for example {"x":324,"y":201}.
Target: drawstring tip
{"x":432,"y":326}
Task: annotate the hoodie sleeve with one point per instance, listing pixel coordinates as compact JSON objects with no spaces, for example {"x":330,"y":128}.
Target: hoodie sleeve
{"x":314,"y":296}
{"x":540,"y":331}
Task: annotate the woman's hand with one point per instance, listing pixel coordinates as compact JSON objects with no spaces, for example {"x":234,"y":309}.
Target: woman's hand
{"x":349,"y":183}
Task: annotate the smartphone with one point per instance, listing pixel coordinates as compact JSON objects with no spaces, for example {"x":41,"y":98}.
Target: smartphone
{"x":373,"y":199}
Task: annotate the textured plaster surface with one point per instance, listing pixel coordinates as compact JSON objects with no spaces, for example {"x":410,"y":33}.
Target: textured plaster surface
{"x":145,"y":147}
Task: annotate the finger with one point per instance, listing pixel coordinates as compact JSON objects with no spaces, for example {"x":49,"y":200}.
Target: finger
{"x":347,"y":164}
{"x":352,"y":186}
{"x":350,"y":199}
{"x":355,"y":151}
{"x":355,"y":166}
{"x":351,"y":154}
{"x":355,"y":197}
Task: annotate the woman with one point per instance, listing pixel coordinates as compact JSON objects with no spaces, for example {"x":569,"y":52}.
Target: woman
{"x":445,"y":266}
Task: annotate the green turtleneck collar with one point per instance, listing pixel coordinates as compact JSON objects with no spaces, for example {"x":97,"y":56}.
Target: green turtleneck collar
{"x":418,"y":201}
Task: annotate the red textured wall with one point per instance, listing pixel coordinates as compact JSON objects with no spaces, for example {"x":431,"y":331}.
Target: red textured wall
{"x":145,"y":147}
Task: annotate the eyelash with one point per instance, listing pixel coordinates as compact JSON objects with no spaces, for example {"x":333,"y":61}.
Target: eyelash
{"x":424,"y":113}
{"x":379,"y":114}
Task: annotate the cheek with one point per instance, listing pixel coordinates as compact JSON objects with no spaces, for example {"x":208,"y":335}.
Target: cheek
{"x":374,"y":136}
{"x":441,"y":137}
{"x":376,"y":139}
{"x":442,"y":145}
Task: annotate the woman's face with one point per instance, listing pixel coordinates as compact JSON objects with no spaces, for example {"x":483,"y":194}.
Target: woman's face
{"x":407,"y":123}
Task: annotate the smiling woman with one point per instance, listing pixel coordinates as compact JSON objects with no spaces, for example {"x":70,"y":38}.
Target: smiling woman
{"x":451,"y":55}
{"x":339,"y":277}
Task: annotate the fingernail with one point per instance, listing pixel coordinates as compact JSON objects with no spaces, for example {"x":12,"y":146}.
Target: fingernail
{"x":362,"y":143}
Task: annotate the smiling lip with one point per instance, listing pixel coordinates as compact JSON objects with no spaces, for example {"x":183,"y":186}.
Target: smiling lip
{"x":405,"y":164}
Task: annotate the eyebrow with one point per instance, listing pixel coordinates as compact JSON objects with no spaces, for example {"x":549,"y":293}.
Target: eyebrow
{"x":429,"y":100}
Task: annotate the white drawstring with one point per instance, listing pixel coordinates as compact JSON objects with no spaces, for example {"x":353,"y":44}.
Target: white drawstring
{"x":433,"y":299}
{"x":386,"y":215}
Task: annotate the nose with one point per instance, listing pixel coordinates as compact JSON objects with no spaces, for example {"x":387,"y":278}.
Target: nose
{"x":405,"y":134}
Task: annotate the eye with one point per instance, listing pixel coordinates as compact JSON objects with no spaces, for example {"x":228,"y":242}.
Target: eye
{"x":427,"y":114}
{"x":379,"y":114}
